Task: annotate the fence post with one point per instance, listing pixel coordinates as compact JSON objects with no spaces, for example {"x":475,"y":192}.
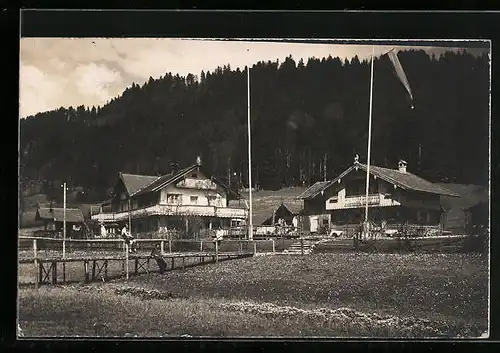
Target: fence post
{"x":302,"y":246}
{"x":274,"y":248}
{"x":126,"y":261}
{"x":64,"y":271}
{"x":54,"y":272}
{"x":35,"y":263}
{"x":201,"y":245}
{"x":170,"y":245}
{"x":86,"y":267}
{"x":216,"y":251}
{"x":40,"y":273}
{"x":93,"y":270}
{"x":162,"y":243}
{"x":254,"y":247}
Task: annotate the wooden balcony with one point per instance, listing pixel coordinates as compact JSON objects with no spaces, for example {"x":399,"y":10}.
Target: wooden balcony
{"x":106,"y":217}
{"x":174,"y":210}
{"x":354,"y":202}
{"x":203,"y":184}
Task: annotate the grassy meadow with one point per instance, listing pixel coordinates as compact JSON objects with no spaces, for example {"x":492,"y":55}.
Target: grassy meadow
{"x":327,"y":295}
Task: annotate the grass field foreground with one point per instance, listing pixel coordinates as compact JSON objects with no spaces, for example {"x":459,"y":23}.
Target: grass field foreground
{"x":335,"y":295}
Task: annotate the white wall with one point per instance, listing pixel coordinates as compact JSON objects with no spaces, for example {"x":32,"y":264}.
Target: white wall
{"x":396,"y":197}
{"x":201,"y":194}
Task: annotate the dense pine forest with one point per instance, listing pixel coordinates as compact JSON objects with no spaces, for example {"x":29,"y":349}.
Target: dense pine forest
{"x":309,"y":119}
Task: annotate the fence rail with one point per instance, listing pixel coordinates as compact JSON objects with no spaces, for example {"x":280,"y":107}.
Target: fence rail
{"x":60,"y":271}
{"x":36,"y":252}
{"x":27,"y":243}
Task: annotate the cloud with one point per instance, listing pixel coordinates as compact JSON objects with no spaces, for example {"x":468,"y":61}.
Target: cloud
{"x":57,"y":65}
{"x":63,"y":72}
{"x":37,"y":91}
{"x":97,"y":80}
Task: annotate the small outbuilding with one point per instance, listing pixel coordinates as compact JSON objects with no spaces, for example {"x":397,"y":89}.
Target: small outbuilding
{"x":53,"y":220}
{"x":281,"y":215}
{"x":477,"y":216}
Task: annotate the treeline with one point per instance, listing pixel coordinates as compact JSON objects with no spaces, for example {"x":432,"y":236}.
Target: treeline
{"x":308,"y":122}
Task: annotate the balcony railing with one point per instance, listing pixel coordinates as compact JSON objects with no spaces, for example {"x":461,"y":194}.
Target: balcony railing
{"x":354,"y":202}
{"x":105,"y":216}
{"x":171,"y":210}
{"x":197,"y":184}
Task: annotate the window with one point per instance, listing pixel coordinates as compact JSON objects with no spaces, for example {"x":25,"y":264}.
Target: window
{"x":173,"y":198}
{"x":212,"y":200}
{"x":194,"y":200}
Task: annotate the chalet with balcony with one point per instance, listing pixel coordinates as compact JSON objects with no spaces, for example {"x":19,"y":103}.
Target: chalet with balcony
{"x":395,"y":197}
{"x":184,"y":201}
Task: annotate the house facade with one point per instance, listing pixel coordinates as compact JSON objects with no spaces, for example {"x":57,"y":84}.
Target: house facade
{"x":53,"y":221}
{"x":185,"y":201}
{"x":314,"y":217}
{"x":395,"y":197}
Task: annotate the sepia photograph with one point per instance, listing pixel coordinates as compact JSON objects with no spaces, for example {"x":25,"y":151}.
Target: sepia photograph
{"x":254,"y":188}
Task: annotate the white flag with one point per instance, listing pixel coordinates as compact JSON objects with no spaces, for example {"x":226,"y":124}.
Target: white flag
{"x":393,"y":55}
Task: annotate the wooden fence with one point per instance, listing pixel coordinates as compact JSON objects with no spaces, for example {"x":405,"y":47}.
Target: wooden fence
{"x":170,"y":245}
{"x":45,"y":255}
{"x":90,"y":268}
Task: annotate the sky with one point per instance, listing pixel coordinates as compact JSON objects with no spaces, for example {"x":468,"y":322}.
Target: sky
{"x":64,"y":72}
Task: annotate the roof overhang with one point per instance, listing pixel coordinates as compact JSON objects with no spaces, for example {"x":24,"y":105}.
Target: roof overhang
{"x":177,"y":177}
{"x":444,"y":192}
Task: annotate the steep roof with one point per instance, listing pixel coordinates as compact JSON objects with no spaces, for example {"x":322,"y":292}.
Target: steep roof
{"x":28,"y":219}
{"x":264,"y":208}
{"x":142,"y":184}
{"x":314,"y":190}
{"x":73,"y":215}
{"x":134,"y":182}
{"x":282,"y":211}
{"x":406,"y":181}
{"x":165,"y":180}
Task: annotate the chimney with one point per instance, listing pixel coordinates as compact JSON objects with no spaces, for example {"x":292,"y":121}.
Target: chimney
{"x":198,"y":160}
{"x":402,"y":166}
{"x":174,"y":167}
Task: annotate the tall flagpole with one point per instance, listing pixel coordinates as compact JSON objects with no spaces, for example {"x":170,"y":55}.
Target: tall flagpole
{"x":250,"y":224}
{"x":64,"y":221}
{"x":369,"y":138}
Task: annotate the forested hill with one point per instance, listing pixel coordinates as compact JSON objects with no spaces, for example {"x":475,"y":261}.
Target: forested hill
{"x":301,"y":113}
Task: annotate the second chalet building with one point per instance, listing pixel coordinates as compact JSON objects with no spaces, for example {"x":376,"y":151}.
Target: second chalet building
{"x":395,"y":197}
{"x":186,"y":200}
